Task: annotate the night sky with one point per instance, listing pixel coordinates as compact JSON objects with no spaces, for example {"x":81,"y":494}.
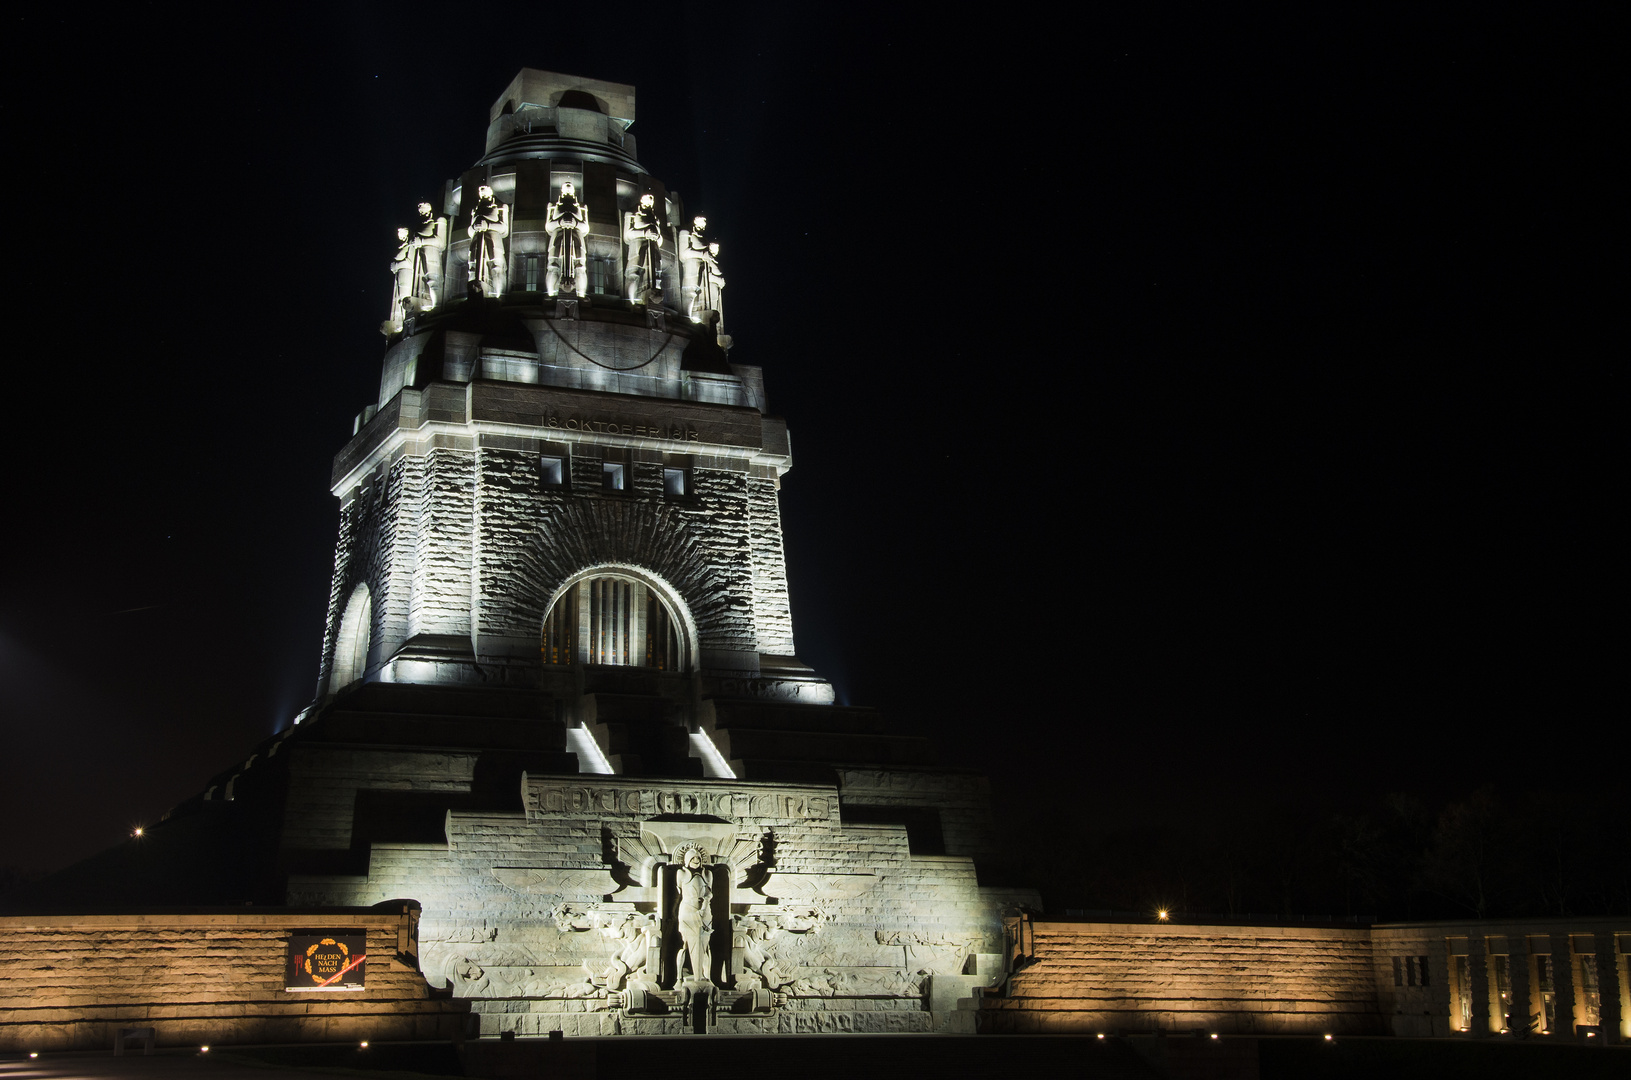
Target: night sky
{"x":1196,"y":415}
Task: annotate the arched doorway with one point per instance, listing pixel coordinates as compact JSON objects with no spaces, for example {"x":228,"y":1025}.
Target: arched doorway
{"x":617,"y":616}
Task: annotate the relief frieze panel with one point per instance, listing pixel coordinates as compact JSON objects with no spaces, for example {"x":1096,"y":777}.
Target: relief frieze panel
{"x":547,"y":797}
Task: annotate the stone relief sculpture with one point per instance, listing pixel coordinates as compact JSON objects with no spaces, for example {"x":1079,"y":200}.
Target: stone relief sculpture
{"x":429,"y":248}
{"x":643,"y":232}
{"x":570,"y":917}
{"x":401,"y":282}
{"x":694,"y":900}
{"x":489,"y":228}
{"x":756,"y":956}
{"x":567,"y":224}
{"x":632,"y":935}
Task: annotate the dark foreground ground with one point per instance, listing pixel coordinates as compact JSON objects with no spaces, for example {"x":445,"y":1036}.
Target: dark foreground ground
{"x":839,"y":1057}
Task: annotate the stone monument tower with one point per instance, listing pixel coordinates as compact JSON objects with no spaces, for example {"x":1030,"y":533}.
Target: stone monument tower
{"x":559,"y":707}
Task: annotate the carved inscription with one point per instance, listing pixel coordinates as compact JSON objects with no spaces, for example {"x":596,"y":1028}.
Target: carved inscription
{"x":678,"y":431}
{"x":649,"y":802}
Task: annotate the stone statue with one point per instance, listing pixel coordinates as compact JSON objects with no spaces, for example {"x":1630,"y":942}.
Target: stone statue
{"x":401,"y":282}
{"x":429,"y":246}
{"x":489,"y":226}
{"x":709,"y":304}
{"x":695,"y":899}
{"x":703,"y":279}
{"x":693,"y":248}
{"x":567,"y":224}
{"x":644,"y":234}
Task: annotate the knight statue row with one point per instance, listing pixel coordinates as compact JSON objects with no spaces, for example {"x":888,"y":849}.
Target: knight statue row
{"x":416,"y":268}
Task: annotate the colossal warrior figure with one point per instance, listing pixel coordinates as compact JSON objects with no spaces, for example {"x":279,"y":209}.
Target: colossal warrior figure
{"x":709,"y":303}
{"x":567,"y":224}
{"x":693,"y":251}
{"x":401,"y":281}
{"x":644,"y":234}
{"x":429,"y":247}
{"x":489,"y":226}
{"x":695,"y":900}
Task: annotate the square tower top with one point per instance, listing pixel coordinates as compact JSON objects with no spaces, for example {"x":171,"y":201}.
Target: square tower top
{"x":534,"y":87}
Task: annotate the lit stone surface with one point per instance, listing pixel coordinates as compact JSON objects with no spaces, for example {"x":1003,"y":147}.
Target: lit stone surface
{"x":1243,"y":980}
{"x":70,"y":982}
{"x":517,"y":907}
{"x":1416,"y":980}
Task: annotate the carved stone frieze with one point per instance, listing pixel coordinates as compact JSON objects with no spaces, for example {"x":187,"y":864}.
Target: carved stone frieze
{"x":557,"y":881}
{"x":930,"y":939}
{"x":559,"y":796}
{"x":855,"y":983}
{"x":793,"y":886}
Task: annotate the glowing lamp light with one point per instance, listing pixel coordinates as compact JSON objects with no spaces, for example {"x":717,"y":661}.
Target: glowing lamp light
{"x":138,"y":831}
{"x":364,"y":1044}
{"x":1214,"y":1034}
{"x":1329,"y":1038}
{"x":1101,"y":1034}
{"x":34,"y":1053}
{"x":1162,"y":915}
{"x":203,"y":1049}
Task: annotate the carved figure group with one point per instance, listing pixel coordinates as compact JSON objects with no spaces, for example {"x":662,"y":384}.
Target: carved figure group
{"x":705,"y":283}
{"x":567,"y":224}
{"x":401,"y":281}
{"x":416,"y":268}
{"x":631,"y":936}
{"x":417,"y":264}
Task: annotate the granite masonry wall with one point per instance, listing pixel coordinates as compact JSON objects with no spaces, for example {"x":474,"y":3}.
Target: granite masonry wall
{"x":446,"y":520}
{"x":1565,"y":979}
{"x":1127,"y":977}
{"x":70,"y":982}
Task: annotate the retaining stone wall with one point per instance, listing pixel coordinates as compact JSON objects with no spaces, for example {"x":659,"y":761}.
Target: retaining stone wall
{"x":1104,"y":977}
{"x":70,"y":982}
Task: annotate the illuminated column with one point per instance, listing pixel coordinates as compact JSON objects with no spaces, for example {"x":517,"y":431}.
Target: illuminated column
{"x":1478,"y":970}
{"x":1610,"y":986}
{"x":1517,"y":963}
{"x":1440,"y":964}
{"x":1563,"y":984}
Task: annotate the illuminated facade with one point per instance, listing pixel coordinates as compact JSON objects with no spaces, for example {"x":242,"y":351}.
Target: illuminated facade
{"x":564,"y":765}
{"x":559,"y":703}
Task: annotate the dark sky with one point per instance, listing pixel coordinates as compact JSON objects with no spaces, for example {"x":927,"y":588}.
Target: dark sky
{"x":1190,"y":407}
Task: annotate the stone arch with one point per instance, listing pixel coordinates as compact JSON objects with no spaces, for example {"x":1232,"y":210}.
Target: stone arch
{"x":352,"y":642}
{"x":678,"y":611}
{"x":648,"y":538}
